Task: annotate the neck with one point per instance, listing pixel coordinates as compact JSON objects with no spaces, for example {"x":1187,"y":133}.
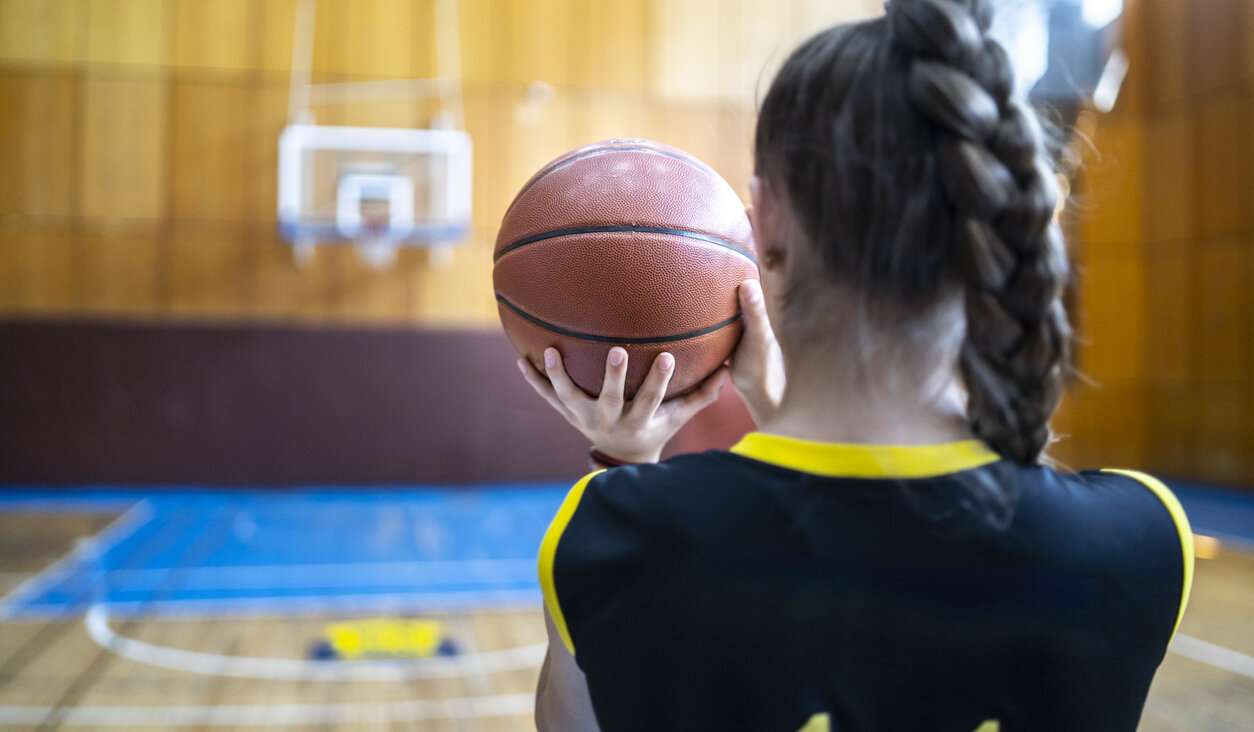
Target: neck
{"x":856,"y":393}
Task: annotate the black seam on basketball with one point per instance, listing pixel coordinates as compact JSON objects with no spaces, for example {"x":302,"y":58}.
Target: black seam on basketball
{"x":601,"y":151}
{"x":623,"y":228}
{"x":610,"y":339}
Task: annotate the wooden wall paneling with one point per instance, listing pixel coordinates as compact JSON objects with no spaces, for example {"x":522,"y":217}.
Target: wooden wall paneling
{"x":14,"y":88}
{"x":1171,"y":429}
{"x":1113,"y":333}
{"x":1169,"y":206}
{"x":1107,"y":425}
{"x":1248,"y":339}
{"x":278,"y":24}
{"x":762,"y":45}
{"x":379,"y":39}
{"x":330,"y":51}
{"x":735,"y":131}
{"x":534,"y":135}
{"x":1222,"y":315}
{"x":606,"y":115}
{"x":214,"y":123}
{"x":129,"y":32}
{"x":656,"y":118}
{"x":424,"y":34}
{"x":1132,"y":94}
{"x":484,"y":38}
{"x":223,"y":34}
{"x":36,"y":142}
{"x":285,"y":291}
{"x":125,"y":272}
{"x":40,"y":30}
{"x":384,"y":113}
{"x":539,"y":41}
{"x":1165,"y":26}
{"x":686,"y":62}
{"x":1215,"y":44}
{"x":269,"y":117}
{"x":693,"y":128}
{"x":1222,"y":172}
{"x":1112,"y":190}
{"x":122,"y":171}
{"x":1170,"y":337}
{"x":359,"y":292}
{"x":213,"y":270}
{"x":609,"y":44}
{"x":459,"y":293}
{"x":811,"y":16}
{"x":726,"y":35}
{"x":1247,"y":40}
{"x":1222,"y":429}
{"x":487,"y":124}
{"x":37,"y":268}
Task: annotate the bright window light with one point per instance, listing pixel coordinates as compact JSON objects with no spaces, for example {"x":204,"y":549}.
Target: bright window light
{"x":1099,"y":13}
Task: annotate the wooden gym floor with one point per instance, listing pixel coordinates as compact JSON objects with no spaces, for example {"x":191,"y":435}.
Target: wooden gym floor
{"x":168,"y":662}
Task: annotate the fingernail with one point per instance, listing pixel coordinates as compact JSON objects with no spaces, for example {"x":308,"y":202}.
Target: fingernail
{"x":522,"y":367}
{"x":617,"y":355}
{"x":666,"y":362}
{"x":753,"y":291}
{"x":550,"y":357}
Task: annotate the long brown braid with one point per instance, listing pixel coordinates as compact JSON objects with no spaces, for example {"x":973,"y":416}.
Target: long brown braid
{"x":994,"y":170}
{"x":914,"y":170}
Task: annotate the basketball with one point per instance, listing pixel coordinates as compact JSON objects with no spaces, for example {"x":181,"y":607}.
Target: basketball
{"x":625,"y":243}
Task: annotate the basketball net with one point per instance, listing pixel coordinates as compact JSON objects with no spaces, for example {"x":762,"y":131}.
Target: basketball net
{"x":375,"y":245}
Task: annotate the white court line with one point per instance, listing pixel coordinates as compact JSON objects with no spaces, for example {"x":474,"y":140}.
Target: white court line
{"x":304,"y":606}
{"x":281,"y":669}
{"x":1213,"y":655}
{"x":352,"y":574}
{"x":274,"y":714}
{"x":85,"y":550}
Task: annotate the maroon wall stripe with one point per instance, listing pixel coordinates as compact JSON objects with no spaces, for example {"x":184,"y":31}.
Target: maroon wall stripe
{"x":275,"y":405}
{"x":94,"y":402}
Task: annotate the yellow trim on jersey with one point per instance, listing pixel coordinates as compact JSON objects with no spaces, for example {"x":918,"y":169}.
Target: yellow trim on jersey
{"x":865,"y":461}
{"x":1182,"y":527}
{"x":548,"y":552}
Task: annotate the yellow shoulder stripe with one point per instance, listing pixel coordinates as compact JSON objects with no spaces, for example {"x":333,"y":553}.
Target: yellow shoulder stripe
{"x":1182,"y":527}
{"x":548,"y":552}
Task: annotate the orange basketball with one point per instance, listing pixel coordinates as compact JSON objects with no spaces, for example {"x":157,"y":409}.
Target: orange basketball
{"x":624,"y":243}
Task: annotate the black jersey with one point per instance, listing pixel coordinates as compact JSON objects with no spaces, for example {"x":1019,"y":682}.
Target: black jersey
{"x":790,"y":585}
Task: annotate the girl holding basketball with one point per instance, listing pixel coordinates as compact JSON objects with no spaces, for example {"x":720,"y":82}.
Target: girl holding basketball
{"x":886,"y":551}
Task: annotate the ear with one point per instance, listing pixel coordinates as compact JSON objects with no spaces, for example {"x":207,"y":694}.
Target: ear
{"x":766,"y":216}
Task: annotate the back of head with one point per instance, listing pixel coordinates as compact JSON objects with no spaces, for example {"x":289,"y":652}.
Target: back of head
{"x":916,"y":176}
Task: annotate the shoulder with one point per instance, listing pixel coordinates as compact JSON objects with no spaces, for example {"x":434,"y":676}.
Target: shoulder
{"x":1131,"y":525}
{"x":611,"y":523}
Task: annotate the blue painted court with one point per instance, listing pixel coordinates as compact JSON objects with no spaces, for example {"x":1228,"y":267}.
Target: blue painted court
{"x":217,"y":552}
{"x":223,"y":552}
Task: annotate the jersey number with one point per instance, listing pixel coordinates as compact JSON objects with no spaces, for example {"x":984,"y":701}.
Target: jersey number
{"x":823,"y":723}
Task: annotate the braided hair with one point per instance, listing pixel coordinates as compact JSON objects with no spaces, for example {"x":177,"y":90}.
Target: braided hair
{"x":916,"y":174}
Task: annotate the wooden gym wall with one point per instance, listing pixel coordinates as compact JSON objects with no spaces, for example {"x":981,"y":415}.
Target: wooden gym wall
{"x":1167,"y":252}
{"x":140,"y":137}
{"x":153,"y":326}
{"x":138,"y":140}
